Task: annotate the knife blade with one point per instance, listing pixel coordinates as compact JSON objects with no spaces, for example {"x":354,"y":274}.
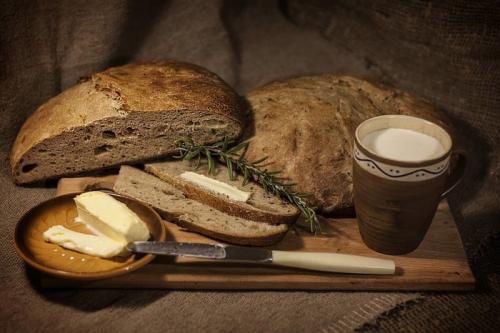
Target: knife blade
{"x":319,"y":261}
{"x":199,"y":250}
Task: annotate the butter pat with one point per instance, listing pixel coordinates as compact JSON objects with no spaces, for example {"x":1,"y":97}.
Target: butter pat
{"x":89,"y":244}
{"x":108,"y":217}
{"x":114,"y":225}
{"x":216,"y":186}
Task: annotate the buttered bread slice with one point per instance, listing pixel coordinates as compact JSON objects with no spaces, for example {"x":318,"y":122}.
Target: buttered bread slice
{"x":194,"y":215}
{"x":259,"y":206}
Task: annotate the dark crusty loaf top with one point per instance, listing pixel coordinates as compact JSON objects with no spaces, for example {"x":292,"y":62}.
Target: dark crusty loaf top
{"x":306,"y":126}
{"x":124,"y":114}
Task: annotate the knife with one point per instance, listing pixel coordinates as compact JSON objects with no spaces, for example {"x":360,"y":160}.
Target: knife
{"x":318,"y":261}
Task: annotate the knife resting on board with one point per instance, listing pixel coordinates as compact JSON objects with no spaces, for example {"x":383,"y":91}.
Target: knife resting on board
{"x":318,"y":261}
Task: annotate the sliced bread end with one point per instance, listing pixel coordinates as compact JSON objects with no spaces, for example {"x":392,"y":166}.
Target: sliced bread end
{"x":171,"y":203}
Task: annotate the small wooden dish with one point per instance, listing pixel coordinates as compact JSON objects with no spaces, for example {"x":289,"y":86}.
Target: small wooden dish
{"x":57,"y":261}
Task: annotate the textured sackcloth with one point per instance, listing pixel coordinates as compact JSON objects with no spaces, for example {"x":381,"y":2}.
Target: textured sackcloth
{"x":448,"y":54}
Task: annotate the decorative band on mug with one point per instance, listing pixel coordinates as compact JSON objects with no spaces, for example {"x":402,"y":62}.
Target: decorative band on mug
{"x":395,"y":172}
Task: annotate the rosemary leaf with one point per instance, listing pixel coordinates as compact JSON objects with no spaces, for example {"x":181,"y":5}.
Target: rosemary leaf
{"x":260,"y":160}
{"x":211,"y":163}
{"x":198,"y":160}
{"x":238,"y":147}
{"x":225,"y":143}
{"x":192,"y":154}
{"x":230,"y":169}
{"x":246,"y":176}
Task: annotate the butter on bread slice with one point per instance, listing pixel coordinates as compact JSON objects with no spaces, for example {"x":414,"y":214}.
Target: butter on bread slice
{"x":261,"y":206}
{"x":196,"y":216}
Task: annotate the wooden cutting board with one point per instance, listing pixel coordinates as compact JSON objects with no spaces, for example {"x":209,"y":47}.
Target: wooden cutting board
{"x":438,"y":264}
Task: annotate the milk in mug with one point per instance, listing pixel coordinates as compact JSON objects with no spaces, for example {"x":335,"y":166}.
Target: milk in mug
{"x":403,"y":145}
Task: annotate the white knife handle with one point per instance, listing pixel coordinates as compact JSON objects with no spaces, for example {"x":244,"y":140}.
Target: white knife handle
{"x":334,"y":262}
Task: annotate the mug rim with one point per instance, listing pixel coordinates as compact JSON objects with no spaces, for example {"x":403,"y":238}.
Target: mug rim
{"x":397,"y":162}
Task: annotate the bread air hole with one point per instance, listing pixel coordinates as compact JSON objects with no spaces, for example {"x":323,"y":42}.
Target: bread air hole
{"x":29,"y":167}
{"x":102,"y":149}
{"x":108,"y":134}
{"x":129,"y":130}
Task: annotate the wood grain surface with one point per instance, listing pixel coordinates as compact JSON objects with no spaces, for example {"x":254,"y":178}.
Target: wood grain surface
{"x":438,"y":264}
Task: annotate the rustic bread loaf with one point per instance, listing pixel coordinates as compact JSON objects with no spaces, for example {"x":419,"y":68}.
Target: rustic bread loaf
{"x":306,"y":127}
{"x":124,"y":114}
{"x":194,"y":215}
{"x":261,"y":206}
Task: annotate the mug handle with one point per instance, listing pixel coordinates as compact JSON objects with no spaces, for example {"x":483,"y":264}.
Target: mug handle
{"x":457,"y":174}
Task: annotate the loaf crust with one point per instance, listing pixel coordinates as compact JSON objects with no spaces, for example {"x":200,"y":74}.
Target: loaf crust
{"x":264,"y":240}
{"x":306,"y":126}
{"x":148,"y":93}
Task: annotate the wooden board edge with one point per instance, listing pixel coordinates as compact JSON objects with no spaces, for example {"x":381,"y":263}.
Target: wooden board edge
{"x":53,"y":283}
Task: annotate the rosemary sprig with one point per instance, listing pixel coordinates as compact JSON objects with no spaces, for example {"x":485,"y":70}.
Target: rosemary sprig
{"x":233,"y":155}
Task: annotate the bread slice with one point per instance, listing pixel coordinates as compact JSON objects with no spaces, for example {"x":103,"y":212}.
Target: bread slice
{"x":123,"y":115}
{"x":261,"y":206}
{"x":193,"y":215}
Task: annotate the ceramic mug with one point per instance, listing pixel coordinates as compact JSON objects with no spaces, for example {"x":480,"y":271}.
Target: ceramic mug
{"x":395,"y":199}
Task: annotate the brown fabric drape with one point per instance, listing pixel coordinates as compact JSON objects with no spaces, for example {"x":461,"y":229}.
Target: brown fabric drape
{"x":446,"y":52}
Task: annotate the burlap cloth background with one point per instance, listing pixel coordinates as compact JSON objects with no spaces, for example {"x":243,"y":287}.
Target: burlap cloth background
{"x":448,"y":53}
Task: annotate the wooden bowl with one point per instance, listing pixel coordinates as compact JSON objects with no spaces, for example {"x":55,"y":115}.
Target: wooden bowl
{"x":58,"y":261}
